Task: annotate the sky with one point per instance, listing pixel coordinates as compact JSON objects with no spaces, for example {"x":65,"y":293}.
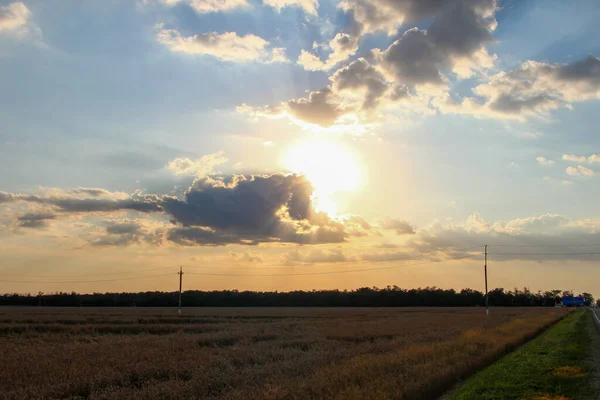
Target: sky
{"x":298,"y":144}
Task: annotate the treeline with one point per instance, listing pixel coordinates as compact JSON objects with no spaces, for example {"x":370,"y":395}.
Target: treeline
{"x":390,"y":296}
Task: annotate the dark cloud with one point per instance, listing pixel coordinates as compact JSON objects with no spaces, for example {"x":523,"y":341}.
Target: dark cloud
{"x":96,"y":192}
{"x":127,"y":232}
{"x":587,"y":70}
{"x":240,"y":209}
{"x":72,"y":204}
{"x":34,"y":220}
{"x":462,"y":27}
{"x":123,"y":227}
{"x":6,"y":197}
{"x":453,"y":43}
{"x":190,"y":236}
{"x":320,"y":108}
{"x":360,"y":75}
{"x":537,"y":87}
{"x":249,"y":210}
{"x":386,"y":15}
{"x":401,"y":227}
{"x":413,"y":59}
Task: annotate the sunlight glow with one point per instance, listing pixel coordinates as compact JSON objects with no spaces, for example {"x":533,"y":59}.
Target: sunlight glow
{"x":331,"y":167}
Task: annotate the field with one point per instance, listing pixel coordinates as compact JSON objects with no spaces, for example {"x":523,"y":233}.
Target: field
{"x":253,"y":353}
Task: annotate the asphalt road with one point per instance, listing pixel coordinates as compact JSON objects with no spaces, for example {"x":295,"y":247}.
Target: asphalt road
{"x":596,"y":312}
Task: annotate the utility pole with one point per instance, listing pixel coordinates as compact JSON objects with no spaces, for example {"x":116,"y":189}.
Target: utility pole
{"x":180,"y":273}
{"x":487,"y":309}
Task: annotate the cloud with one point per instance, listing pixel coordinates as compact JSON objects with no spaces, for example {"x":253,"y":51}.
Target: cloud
{"x":74,"y":204}
{"x":245,"y":257}
{"x":226,"y":46}
{"x":455,"y":41}
{"x":536,"y":88}
{"x":342,"y":46}
{"x":35,"y":220}
{"x":416,"y":63}
{"x":356,"y":90}
{"x":310,"y":62}
{"x":238,"y":209}
{"x":320,"y":108}
{"x":250,"y":210}
{"x":574,"y":158}
{"x":13,"y":16}
{"x":387,"y":15}
{"x":579,"y":171}
{"x":549,"y":236}
{"x":401,"y":227}
{"x":309,"y":6}
{"x":126,"y":232}
{"x":544,"y":161}
{"x":120,"y":228}
{"x":206,"y":6}
{"x":200,"y":167}
{"x":413,"y":59}
{"x":363,"y":79}
{"x":316,"y":256}
{"x":592,"y":159}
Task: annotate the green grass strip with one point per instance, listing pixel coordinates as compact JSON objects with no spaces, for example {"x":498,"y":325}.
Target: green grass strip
{"x":550,"y":367}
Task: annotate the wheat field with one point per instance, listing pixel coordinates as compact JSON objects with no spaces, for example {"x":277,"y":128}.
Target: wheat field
{"x":253,"y":353}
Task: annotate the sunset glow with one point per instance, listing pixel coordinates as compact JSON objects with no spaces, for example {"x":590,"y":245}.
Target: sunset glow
{"x":330,"y":167}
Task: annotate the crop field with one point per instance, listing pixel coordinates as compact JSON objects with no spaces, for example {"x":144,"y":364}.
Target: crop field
{"x":253,"y":353}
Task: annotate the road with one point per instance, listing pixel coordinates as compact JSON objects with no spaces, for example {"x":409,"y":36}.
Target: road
{"x":596,"y":312}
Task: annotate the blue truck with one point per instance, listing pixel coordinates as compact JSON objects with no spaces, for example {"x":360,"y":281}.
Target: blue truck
{"x":573,"y":301}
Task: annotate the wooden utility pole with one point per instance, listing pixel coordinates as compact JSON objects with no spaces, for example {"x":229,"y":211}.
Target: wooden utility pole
{"x":180,"y":273}
{"x":487,"y":309}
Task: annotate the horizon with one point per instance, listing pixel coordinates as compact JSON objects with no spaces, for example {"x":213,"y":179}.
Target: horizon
{"x":284,"y":145}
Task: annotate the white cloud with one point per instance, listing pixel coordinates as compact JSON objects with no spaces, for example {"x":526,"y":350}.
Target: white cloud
{"x":200,"y":167}
{"x":592,"y":159}
{"x":544,"y":161}
{"x":580,"y":171}
{"x":309,"y":6}
{"x":206,"y":6}
{"x":226,"y":46}
{"x":310,"y":62}
{"x":574,"y":158}
{"x":342,"y":46}
{"x":13,"y":16}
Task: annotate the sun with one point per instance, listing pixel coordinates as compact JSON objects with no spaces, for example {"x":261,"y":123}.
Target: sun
{"x":331,"y":167}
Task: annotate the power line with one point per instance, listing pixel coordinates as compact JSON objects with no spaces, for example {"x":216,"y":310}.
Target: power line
{"x":84,"y":275}
{"x":545,"y":245}
{"x":224,"y":274}
{"x":92,"y":281}
{"x":337,"y":272}
{"x":406,"y":258}
{"x":543,"y":254}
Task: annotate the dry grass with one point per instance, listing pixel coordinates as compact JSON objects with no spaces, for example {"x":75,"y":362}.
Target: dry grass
{"x":569,"y":372}
{"x":253,"y":353}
